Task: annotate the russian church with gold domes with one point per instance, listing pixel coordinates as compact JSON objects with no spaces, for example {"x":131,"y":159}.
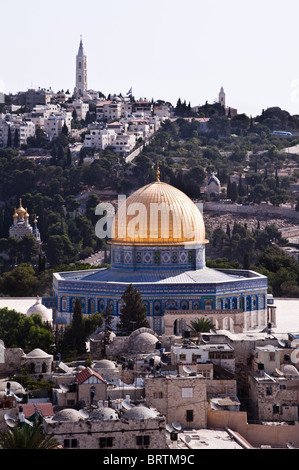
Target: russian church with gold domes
{"x":21,"y":225}
{"x":158,"y":245}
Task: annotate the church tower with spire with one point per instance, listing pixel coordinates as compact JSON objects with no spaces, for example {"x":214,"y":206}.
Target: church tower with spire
{"x":81,"y":72}
{"x":221,"y":97}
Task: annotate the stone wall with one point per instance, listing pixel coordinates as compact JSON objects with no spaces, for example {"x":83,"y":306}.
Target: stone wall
{"x":266,"y":210}
{"x":13,"y":360}
{"x":123,"y":432}
{"x":255,"y":434}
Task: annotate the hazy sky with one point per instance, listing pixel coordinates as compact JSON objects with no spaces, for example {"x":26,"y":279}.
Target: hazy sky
{"x":164,"y":49}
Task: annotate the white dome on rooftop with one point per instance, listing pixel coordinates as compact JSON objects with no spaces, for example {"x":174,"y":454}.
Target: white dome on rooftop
{"x":104,"y":364}
{"x":40,"y":309}
{"x":35,"y":353}
{"x":140,"y":412}
{"x":68,"y":414}
{"x":104,"y":413}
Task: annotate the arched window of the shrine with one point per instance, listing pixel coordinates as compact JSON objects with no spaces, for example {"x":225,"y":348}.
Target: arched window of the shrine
{"x":63,"y":304}
{"x":101,"y":306}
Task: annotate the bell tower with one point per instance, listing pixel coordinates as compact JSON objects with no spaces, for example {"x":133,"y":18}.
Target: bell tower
{"x":81,"y":71}
{"x":222,"y":97}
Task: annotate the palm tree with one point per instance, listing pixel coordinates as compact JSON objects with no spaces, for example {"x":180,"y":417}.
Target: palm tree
{"x":201,"y":325}
{"x":27,"y":437}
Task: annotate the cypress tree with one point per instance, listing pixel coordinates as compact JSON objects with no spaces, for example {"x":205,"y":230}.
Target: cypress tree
{"x":16,"y":141}
{"x":133,"y":311}
{"x":77,"y":329}
{"x":9,"y":137}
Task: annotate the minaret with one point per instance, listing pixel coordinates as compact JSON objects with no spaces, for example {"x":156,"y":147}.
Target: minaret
{"x":222,"y":97}
{"x":81,"y":71}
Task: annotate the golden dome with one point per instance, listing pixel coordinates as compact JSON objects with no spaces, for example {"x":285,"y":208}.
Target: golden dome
{"x":21,"y":209}
{"x":158,"y":214}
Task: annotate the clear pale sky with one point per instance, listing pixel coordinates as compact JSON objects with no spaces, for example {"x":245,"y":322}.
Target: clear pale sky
{"x":164,"y":49}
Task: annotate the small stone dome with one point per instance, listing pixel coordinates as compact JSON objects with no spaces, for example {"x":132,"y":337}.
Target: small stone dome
{"x":140,"y":412}
{"x":154,"y":357}
{"x":144,"y":343}
{"x":15,"y":387}
{"x":105,"y":413}
{"x":38,"y":353}
{"x":104,"y":364}
{"x":68,"y":414}
{"x":41,"y":310}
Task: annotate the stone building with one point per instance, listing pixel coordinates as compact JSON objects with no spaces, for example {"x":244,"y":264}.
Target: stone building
{"x":179,"y":398}
{"x":138,"y":427}
{"x":275,"y":398}
{"x":38,"y":362}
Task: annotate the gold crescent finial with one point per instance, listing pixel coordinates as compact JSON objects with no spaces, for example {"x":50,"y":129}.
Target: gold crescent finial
{"x":158,"y":172}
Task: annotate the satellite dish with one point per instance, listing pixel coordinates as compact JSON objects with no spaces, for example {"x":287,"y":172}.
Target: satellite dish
{"x":168,"y":428}
{"x":64,"y":388}
{"x":176,"y":426}
{"x":187,"y":439}
{"x":126,"y":405}
{"x":8,"y":416}
{"x":282,"y":343}
{"x":279,"y":372}
{"x":187,"y":369}
{"x":84,"y":414}
{"x":11,"y":422}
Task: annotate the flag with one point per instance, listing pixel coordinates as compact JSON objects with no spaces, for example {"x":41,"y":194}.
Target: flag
{"x":130,"y":91}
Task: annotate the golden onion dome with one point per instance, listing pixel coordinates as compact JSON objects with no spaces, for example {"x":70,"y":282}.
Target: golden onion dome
{"x":15,"y":214}
{"x":158,"y":214}
{"x":21,"y":209}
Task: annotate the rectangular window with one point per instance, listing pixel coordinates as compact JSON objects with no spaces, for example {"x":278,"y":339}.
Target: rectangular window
{"x":187,"y":392}
{"x":105,"y":442}
{"x":189,"y":416}
{"x":70,"y":443}
{"x":142,"y":440}
{"x":272,"y":356}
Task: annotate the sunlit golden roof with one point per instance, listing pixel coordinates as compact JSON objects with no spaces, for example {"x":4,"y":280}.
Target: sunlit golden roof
{"x":158,"y":214}
{"x":21,"y":209}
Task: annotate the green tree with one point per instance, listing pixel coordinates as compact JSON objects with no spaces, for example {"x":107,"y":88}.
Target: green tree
{"x":133,"y":311}
{"x":27,"y":437}
{"x":20,"y":282}
{"x":77,"y":329}
{"x":200,"y":325}
{"x":18,"y":330}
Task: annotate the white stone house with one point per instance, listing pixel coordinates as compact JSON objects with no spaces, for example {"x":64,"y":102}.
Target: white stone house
{"x":124,"y":143}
